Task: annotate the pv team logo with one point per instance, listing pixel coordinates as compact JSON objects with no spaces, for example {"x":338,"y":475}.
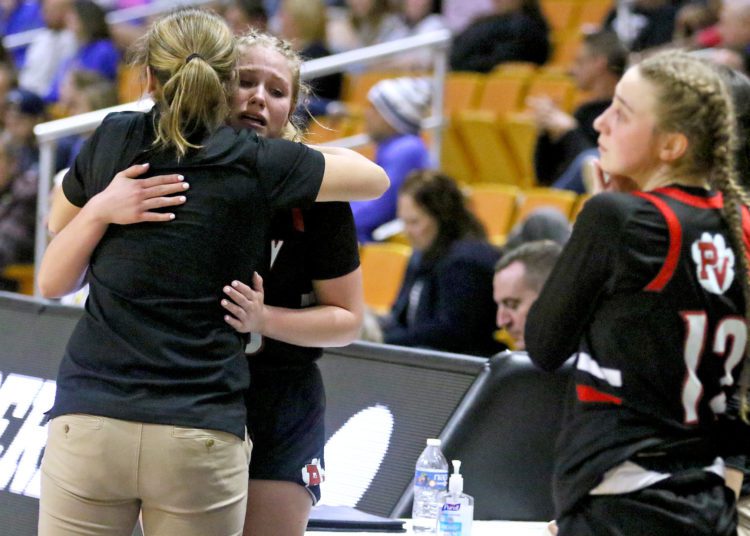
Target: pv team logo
{"x":313,"y":474}
{"x":714,"y":263}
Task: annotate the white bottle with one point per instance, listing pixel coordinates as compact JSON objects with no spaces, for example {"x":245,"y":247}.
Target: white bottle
{"x":457,"y":511}
{"x":430,"y":480}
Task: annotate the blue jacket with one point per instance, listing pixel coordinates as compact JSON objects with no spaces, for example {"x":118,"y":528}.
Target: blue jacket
{"x":451,"y":305}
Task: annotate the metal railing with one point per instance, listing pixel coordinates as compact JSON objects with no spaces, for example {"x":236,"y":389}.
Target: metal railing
{"x":48,"y":133}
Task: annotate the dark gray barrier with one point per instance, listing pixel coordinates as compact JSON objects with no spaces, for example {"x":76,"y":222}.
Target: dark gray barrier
{"x":500,"y":417}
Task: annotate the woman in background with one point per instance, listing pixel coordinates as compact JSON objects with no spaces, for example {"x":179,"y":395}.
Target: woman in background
{"x":445,"y":301}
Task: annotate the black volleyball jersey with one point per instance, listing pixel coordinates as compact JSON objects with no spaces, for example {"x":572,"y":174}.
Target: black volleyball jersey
{"x":647,"y":296}
{"x":312,"y":244}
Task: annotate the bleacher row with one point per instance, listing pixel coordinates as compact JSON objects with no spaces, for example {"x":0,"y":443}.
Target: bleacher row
{"x":489,"y":136}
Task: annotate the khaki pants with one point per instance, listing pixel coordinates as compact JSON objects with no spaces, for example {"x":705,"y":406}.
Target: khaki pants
{"x":99,"y":473}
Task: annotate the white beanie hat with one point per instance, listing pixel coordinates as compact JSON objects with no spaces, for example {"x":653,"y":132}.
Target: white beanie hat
{"x":402,"y":102}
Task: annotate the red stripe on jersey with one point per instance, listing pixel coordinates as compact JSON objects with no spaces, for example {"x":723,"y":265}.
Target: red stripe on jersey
{"x":675,"y":243}
{"x":298,"y":222}
{"x":715,"y":201}
{"x":746,"y":231}
{"x":586,"y":393}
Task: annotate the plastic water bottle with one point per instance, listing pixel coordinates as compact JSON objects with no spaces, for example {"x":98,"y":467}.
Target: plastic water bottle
{"x":430,"y":479}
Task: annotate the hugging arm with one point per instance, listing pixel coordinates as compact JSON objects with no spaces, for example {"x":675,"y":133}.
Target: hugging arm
{"x":78,"y":230}
{"x":334,"y":321}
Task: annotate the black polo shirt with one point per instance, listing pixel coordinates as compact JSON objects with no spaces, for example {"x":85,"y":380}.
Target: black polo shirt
{"x":153,"y":345}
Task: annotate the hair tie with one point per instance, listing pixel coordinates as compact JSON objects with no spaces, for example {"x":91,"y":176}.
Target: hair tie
{"x":192,"y":56}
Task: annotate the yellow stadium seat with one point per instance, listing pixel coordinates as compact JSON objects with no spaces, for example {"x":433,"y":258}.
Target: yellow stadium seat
{"x":383,"y":268}
{"x":462,"y":90}
{"x":520,"y":134}
{"x":494,"y":205}
{"x":593,"y":12}
{"x":455,"y":160}
{"x":503,"y":93}
{"x":491,"y":156}
{"x":523,"y":69}
{"x":567,"y":46}
{"x":23,"y":274}
{"x":534,"y":198}
{"x":562,"y":15}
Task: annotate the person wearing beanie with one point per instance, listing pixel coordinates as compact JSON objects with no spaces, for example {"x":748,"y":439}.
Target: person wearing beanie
{"x":393,"y":121}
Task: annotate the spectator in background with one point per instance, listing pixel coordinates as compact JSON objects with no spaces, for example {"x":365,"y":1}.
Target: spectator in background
{"x":364,"y":23}
{"x":460,"y":13}
{"x":242,"y":15}
{"x":597,"y":68}
{"x":644,"y":23}
{"x":418,"y":16}
{"x":545,"y":223}
{"x":515,"y":31}
{"x":24,"y":110}
{"x":17,"y":212}
{"x":303,"y":22}
{"x":445,"y":301}
{"x":734,"y":26}
{"x":96,"y":50}
{"x":8,"y":82}
{"x":519,"y":277}
{"x":81,"y":91}
{"x":49,"y":50}
{"x":393,"y":121}
{"x":18,"y":16}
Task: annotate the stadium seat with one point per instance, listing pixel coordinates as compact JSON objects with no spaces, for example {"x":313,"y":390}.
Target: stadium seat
{"x":383,"y":268}
{"x":520,"y":134}
{"x":23,"y":275}
{"x":491,"y":156}
{"x":455,"y":160}
{"x":534,"y":198}
{"x":593,"y":12}
{"x":562,"y":15}
{"x":494,"y":205}
{"x":503,"y":92}
{"x":462,"y":90}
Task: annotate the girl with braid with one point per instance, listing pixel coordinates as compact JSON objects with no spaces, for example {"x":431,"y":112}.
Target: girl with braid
{"x":656,"y":318}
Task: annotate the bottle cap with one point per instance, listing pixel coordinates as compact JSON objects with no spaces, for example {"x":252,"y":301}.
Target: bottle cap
{"x":456,"y":481}
{"x":434,"y":442}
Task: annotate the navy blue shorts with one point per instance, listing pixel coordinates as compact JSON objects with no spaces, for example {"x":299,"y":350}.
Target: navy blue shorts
{"x":694,"y":503}
{"x":285,"y":420}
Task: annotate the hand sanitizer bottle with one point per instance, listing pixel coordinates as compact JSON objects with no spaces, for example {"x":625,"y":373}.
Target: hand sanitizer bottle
{"x":457,"y":511}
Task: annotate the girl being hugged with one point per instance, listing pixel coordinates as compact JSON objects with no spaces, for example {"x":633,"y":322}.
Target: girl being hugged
{"x":650,"y":296}
{"x":311,"y":296}
{"x":149,"y":415}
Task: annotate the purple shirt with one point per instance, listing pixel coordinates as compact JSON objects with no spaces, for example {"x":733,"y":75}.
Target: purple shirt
{"x":100,"y":56}
{"x":398,"y":156}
